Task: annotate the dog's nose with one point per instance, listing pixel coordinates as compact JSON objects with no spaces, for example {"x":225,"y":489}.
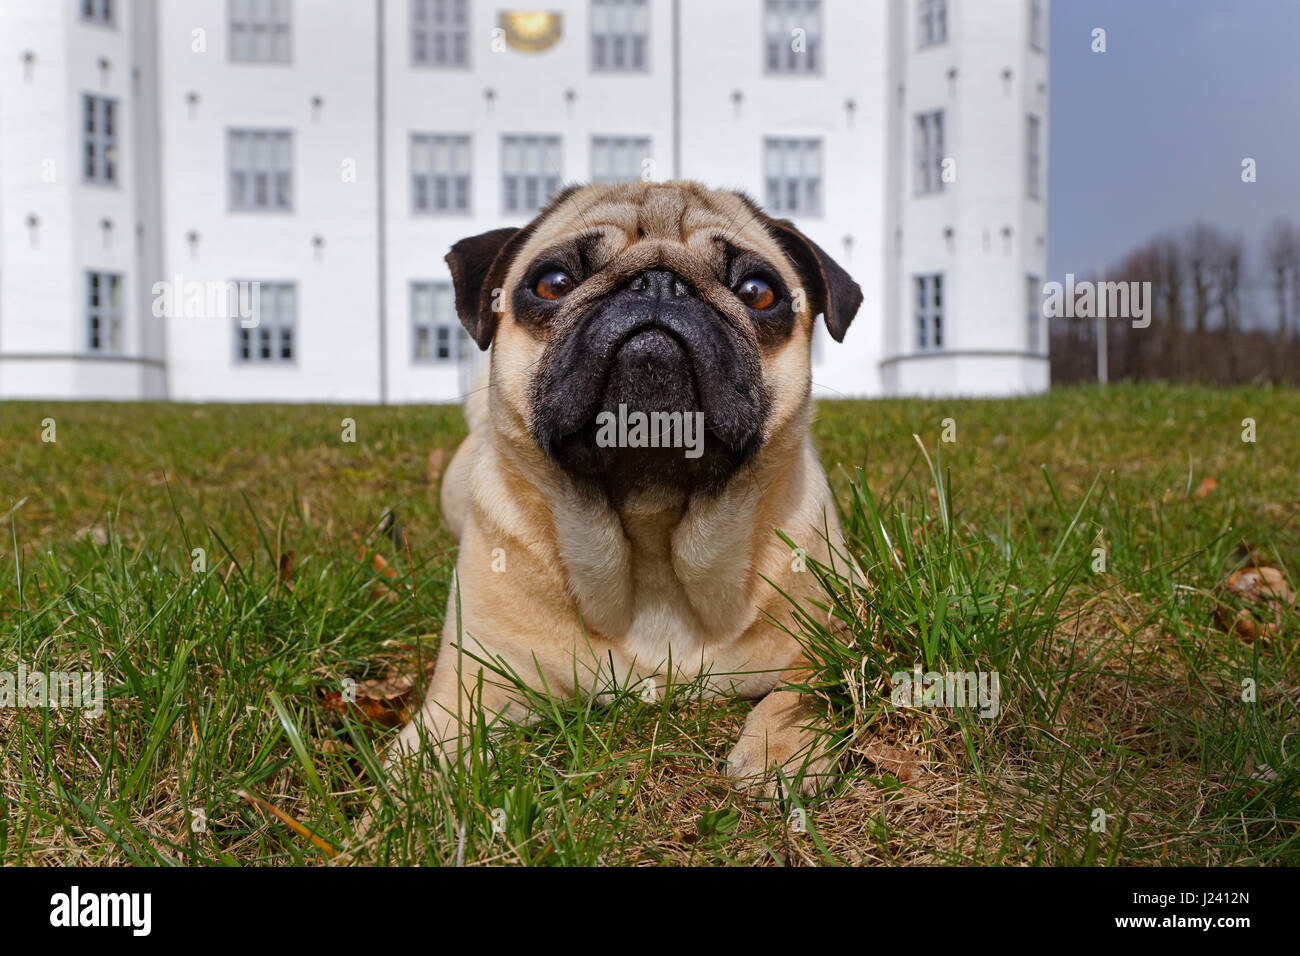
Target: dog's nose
{"x":659,"y":284}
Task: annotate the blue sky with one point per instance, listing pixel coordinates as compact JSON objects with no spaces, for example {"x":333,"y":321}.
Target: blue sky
{"x":1149,"y":136}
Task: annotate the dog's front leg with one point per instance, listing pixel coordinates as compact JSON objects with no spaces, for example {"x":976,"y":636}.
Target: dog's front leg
{"x":783,"y":739}
{"x":462,"y":694}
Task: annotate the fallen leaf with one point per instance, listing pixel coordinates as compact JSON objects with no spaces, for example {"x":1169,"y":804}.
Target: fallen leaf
{"x":1243,"y":625}
{"x":286,"y":566}
{"x":388,"y":688}
{"x":1261,"y":584}
{"x":380,"y":566}
{"x":903,"y":764}
{"x":380,"y":700}
{"x":1265,"y":588}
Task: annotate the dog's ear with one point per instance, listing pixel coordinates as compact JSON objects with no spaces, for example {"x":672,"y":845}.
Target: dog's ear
{"x":479,"y":266}
{"x":832,"y":291}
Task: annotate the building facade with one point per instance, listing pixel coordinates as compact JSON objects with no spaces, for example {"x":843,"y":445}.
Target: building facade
{"x":250,"y":200}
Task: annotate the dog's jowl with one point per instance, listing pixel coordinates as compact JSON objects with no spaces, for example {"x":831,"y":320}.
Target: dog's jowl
{"x":643,"y":437}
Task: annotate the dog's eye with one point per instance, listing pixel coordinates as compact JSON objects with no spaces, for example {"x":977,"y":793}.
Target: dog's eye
{"x":756,"y":294}
{"x":554,"y":285}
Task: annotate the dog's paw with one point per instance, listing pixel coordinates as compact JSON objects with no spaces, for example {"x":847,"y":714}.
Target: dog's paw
{"x":778,"y":754}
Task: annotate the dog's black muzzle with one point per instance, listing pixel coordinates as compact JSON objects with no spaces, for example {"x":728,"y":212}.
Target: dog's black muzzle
{"x":653,"y":353}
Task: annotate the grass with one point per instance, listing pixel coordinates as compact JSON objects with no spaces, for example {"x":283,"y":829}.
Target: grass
{"x":224,"y":741}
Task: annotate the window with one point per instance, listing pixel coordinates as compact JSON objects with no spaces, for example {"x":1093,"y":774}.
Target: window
{"x":261,"y":170}
{"x":530,"y":171}
{"x":272,"y":340}
{"x":792,"y":36}
{"x":99,"y":12}
{"x":620,"y":35}
{"x":618,"y":159}
{"x":104,"y":313}
{"x":440,"y":173}
{"x":259,"y":31}
{"x":440,"y":33}
{"x":99,"y":138}
{"x":929,"y":312}
{"x":793,"y":175}
{"x":1034,"y":300}
{"x":1033,"y":164}
{"x":436,"y":332}
{"x":929,"y":152}
{"x":932,"y":26}
{"x":1037,"y":26}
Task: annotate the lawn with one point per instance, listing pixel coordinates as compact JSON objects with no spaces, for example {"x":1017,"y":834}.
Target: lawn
{"x":239,"y":572}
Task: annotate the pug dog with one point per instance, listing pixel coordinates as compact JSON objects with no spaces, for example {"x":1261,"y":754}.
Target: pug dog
{"x":642,"y":436}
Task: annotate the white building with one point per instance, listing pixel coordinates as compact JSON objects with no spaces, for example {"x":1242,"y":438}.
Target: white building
{"x":332,"y":151}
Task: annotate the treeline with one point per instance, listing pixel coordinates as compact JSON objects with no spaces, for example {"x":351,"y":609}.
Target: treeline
{"x":1218,"y":316}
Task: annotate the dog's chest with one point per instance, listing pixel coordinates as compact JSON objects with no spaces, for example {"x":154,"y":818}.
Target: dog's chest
{"x":665,"y":617}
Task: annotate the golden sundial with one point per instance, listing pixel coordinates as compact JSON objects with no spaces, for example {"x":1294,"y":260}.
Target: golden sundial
{"x":531,"y":31}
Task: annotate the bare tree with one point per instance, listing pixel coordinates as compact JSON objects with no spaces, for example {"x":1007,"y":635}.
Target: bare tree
{"x":1141,"y":265}
{"x":1217,"y":314}
{"x":1227,"y":267}
{"x":1169,"y":291}
{"x":1202,"y":243}
{"x":1282,"y":260}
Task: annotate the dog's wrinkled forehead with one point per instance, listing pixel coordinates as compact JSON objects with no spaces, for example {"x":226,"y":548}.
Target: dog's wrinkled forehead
{"x":642,"y":225}
{"x":613,"y":232}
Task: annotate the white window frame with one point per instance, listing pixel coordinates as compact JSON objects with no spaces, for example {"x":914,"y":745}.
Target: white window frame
{"x":532,"y":169}
{"x":274,"y":330}
{"x":104,"y":323}
{"x":259,"y":31}
{"x":1034,"y":156}
{"x":1037,"y":26}
{"x":435,"y":327}
{"x":619,"y":159}
{"x":100,"y":121}
{"x":99,"y":12}
{"x":793,"y":175}
{"x":619,"y":47}
{"x":780,"y":19}
{"x":928,"y":301}
{"x":928,"y":149}
{"x":931,"y":23}
{"x":442,"y":174}
{"x":274,"y":176}
{"x":439,"y":32}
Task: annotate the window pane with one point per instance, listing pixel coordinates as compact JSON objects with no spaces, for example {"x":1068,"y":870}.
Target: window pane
{"x":421,"y":303}
{"x":288,"y":302}
{"x":443,"y":306}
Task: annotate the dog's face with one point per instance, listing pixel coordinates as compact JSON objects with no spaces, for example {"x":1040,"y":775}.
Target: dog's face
{"x":648,"y":335}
